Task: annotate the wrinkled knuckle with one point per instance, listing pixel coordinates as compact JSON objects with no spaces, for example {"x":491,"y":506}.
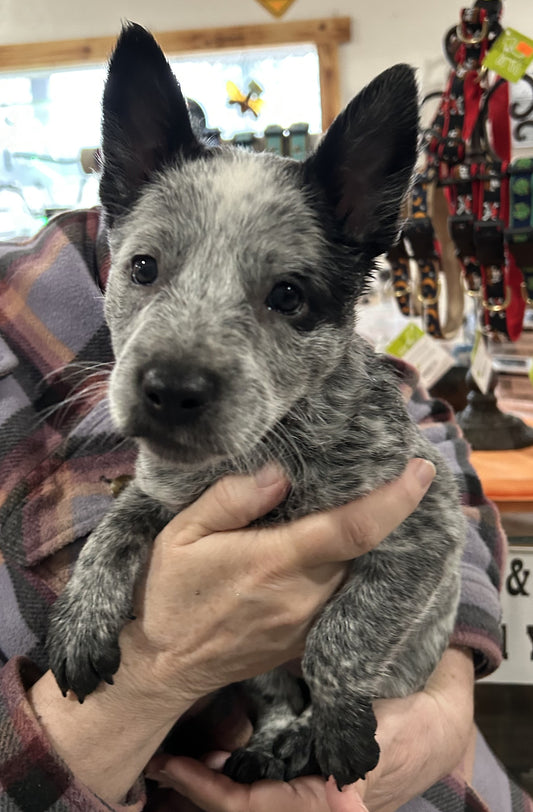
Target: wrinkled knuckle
{"x":302,"y":611}
{"x":410,"y":496}
{"x":278,"y":558}
{"x":295,"y":619}
{"x":363,"y":533}
{"x":227,"y":501}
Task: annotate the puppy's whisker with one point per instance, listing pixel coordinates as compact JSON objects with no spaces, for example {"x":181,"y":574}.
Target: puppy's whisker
{"x":90,"y":392}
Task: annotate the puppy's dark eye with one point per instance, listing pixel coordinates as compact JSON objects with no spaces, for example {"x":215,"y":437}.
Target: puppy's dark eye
{"x":143,"y":269}
{"x":285,"y":298}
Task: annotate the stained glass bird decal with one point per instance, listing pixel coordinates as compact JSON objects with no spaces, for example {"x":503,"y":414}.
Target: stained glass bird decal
{"x":250,"y":102}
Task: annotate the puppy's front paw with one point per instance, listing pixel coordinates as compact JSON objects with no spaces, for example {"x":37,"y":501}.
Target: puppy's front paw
{"x":82,"y":645}
{"x":345,"y":742}
{"x":246,"y":766}
{"x":295,"y":747}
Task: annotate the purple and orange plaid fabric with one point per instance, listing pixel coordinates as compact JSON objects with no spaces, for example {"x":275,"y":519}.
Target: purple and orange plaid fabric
{"x":58,"y":452}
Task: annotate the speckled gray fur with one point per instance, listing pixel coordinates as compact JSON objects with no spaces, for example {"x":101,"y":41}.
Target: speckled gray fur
{"x":225,"y":226}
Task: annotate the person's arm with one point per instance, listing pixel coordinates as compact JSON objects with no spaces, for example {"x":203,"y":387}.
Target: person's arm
{"x":33,"y":775}
{"x":219,"y":604}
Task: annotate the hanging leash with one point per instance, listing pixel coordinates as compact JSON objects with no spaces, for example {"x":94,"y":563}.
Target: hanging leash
{"x":436,"y":269}
{"x":490,"y":249}
{"x":399,"y":259}
{"x":473,"y":170}
{"x":519,"y":235}
{"x":471,"y":167}
{"x":446,"y":149}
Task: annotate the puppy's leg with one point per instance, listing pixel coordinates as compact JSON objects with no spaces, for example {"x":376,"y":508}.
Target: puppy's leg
{"x":277,"y":699}
{"x":98,"y":600}
{"x":381,"y":637}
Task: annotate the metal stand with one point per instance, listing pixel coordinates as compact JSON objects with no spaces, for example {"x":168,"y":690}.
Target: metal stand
{"x":486,"y":427}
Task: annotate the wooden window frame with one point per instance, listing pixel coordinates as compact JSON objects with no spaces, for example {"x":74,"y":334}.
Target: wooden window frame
{"x":326,"y":34}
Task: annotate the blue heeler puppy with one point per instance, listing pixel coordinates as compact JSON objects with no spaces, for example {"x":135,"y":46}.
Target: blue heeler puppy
{"x":231,"y":308}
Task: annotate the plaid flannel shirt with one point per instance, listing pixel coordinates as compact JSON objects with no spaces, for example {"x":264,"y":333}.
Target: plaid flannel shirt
{"x":58,"y":452}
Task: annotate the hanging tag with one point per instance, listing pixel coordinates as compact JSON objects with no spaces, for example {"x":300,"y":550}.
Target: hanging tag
{"x":481,"y":363}
{"x":510,"y":55}
{"x":276,"y":7}
{"x":423,"y":352}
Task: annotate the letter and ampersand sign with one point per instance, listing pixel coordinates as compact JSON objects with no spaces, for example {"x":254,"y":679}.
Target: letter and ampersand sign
{"x":517,"y":580}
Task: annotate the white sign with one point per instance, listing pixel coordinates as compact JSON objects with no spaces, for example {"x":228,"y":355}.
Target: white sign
{"x":517,"y":605}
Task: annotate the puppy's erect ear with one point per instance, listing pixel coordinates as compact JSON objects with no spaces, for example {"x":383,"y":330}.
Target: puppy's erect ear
{"x":365,"y":160}
{"x":145,"y":121}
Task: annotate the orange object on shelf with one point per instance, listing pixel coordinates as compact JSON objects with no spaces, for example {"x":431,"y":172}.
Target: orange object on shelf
{"x":507,"y":477}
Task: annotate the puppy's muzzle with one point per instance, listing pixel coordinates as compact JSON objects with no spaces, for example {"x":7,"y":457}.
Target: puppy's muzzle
{"x":176,"y":395}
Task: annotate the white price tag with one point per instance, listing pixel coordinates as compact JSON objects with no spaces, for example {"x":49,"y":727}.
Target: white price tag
{"x":481,"y":363}
{"x":517,"y":605}
{"x":424,"y":352}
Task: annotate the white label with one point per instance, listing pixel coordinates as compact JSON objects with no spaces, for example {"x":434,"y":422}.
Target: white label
{"x":517,"y":605}
{"x":481,"y":366}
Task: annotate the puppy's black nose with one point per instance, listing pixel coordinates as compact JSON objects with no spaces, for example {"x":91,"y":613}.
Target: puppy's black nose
{"x":175,"y":395}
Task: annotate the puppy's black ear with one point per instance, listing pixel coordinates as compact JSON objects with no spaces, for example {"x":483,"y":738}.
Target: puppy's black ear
{"x":145,"y":121}
{"x":365,"y":160}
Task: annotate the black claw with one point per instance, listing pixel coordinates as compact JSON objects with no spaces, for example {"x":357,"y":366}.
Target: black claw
{"x":248,"y":766}
{"x":348,"y":770}
{"x":94,"y":661}
{"x":60,"y":673}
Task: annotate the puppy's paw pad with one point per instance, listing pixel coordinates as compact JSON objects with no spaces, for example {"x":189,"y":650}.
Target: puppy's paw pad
{"x":247,"y":766}
{"x":345,"y":765}
{"x":294,"y":747}
{"x":82,"y":652}
{"x":81,"y":667}
{"x":346,"y":750}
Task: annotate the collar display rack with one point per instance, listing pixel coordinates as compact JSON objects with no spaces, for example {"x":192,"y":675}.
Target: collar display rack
{"x":469,"y":227}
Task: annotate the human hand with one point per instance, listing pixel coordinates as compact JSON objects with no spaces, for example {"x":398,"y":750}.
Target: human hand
{"x":214,"y":792}
{"x":221,"y":603}
{"x":422,"y":738}
{"x":218,"y":604}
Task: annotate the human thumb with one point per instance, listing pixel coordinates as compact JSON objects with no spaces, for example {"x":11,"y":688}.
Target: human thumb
{"x":231,"y":503}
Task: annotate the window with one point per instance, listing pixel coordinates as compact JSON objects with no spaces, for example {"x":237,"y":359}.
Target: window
{"x":47,"y":117}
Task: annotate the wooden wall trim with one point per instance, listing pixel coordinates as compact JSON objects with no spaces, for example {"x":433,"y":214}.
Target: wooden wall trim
{"x":327,"y":34}
{"x":61,"y":53}
{"x":330,"y":87}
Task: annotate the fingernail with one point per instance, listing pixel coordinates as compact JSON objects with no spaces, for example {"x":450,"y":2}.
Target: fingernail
{"x":268,"y":475}
{"x":424,"y":471}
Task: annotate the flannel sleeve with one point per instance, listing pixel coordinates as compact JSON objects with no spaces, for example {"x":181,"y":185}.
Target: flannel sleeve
{"x":478,"y":622}
{"x":32,"y":775}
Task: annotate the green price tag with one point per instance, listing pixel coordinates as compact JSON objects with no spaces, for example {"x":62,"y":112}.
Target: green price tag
{"x":510,"y":55}
{"x":400,"y":345}
{"x":423,"y":352}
